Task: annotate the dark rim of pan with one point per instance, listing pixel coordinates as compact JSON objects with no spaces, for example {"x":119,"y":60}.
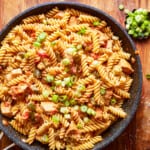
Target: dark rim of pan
{"x":116,"y":129}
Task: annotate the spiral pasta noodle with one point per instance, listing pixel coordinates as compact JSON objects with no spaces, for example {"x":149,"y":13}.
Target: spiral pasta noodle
{"x":32,"y":135}
{"x":51,"y":139}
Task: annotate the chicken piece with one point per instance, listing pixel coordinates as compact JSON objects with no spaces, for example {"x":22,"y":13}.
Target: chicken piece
{"x":103,"y":37}
{"x":117,"y":70}
{"x":109,"y":44}
{"x":13,"y":73}
{"x":108,"y":96}
{"x":6,"y":109}
{"x":16,"y":72}
{"x":73,"y":20}
{"x":49,"y":107}
{"x":126,"y":67}
{"x":99,"y":113}
{"x":19,"y":89}
{"x":59,"y":15}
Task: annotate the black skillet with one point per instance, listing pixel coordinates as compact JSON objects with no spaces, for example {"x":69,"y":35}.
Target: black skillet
{"x":130,"y":105}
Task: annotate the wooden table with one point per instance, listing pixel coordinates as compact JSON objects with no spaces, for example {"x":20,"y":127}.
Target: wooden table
{"x":137,"y":134}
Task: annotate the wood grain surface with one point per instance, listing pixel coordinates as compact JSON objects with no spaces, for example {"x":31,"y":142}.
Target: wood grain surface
{"x":137,"y":134}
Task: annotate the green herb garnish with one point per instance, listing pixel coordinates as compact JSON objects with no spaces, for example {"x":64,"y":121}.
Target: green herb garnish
{"x":102,"y":91}
{"x":82,"y":31}
{"x":55,"y":98}
{"x":113,"y":101}
{"x":55,"y":119}
{"x":37,"y":44}
{"x":84,"y":108}
{"x":96,"y":23}
{"x":49,"y":78}
{"x":121,"y":6}
{"x":41,"y":37}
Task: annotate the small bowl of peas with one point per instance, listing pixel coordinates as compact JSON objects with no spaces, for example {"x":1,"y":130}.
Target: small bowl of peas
{"x":137,"y":23}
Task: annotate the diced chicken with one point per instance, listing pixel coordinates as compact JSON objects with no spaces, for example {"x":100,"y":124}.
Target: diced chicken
{"x":98,"y":113}
{"x":126,"y":67}
{"x":8,"y":77}
{"x":59,"y":15}
{"x":41,"y":66}
{"x":49,"y":107}
{"x":15,"y":90}
{"x":74,"y":69}
{"x":103,"y":37}
{"x":108,"y":96}
{"x":73,"y":20}
{"x":16,"y":72}
{"x":88,"y":46}
{"x":117,"y":70}
{"x":6,"y":109}
{"x":109,"y":44}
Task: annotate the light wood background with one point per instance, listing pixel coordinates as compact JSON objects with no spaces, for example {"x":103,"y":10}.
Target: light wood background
{"x":137,"y":135}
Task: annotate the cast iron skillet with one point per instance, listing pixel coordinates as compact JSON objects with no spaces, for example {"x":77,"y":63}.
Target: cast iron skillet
{"x":130,"y":106}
